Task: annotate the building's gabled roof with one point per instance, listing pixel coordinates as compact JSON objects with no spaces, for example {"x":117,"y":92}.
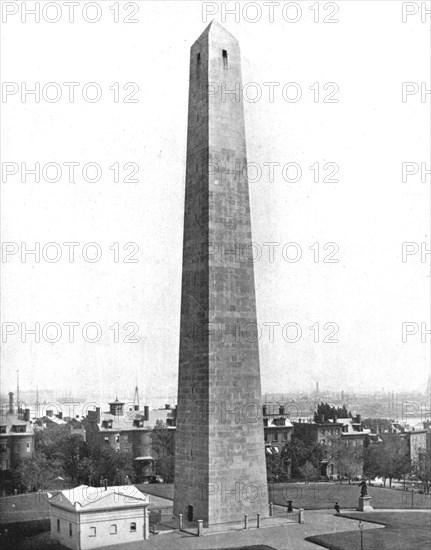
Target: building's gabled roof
{"x":85,"y":498}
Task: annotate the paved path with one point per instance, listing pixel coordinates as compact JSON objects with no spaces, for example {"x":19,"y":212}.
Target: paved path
{"x":289,"y":537}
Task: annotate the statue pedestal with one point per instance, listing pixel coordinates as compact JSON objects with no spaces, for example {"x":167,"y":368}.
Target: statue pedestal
{"x":364,"y":504}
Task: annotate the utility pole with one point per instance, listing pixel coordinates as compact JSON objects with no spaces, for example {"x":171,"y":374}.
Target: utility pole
{"x":361,"y":528}
{"x":17,"y":391}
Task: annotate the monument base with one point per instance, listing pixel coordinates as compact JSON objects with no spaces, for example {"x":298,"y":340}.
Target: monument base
{"x":364,"y":504}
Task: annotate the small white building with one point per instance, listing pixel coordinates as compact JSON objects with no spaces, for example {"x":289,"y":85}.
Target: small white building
{"x":93,"y":517}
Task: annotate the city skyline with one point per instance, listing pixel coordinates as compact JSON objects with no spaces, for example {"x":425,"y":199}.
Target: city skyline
{"x":369,"y":213}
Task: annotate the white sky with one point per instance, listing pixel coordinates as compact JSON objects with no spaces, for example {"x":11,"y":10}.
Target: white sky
{"x":369,"y":293}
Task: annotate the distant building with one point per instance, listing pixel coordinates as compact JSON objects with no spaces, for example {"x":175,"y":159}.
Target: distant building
{"x":16,"y":436}
{"x":349,"y":431}
{"x":353,"y":431}
{"x":418,"y":441}
{"x":277,"y":430}
{"x":94,"y":517}
{"x":317,"y":432}
{"x":129,"y":431}
{"x":277,"y":427}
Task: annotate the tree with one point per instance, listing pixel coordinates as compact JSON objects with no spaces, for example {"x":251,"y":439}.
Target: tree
{"x":36,"y":472}
{"x":299,"y":452}
{"x":348,"y":459}
{"x":396,"y":462}
{"x":163,"y":447}
{"x":373,"y":460}
{"x":329,"y":412}
{"x":422,"y":469}
{"x":116,"y":467}
{"x":57,"y":443}
{"x":75,"y":455}
{"x":309,"y":471}
{"x":389,"y":459}
{"x":277,"y":466}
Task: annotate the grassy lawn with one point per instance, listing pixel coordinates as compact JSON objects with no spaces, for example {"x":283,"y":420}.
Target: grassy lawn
{"x":313,"y":496}
{"x":317,"y":496}
{"x":25,"y":507}
{"x":404,"y":531}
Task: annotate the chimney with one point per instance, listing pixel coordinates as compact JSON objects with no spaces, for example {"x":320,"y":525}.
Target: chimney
{"x":49,"y":412}
{"x":136,"y":407}
{"x":27,"y":415}
{"x":167,"y":406}
{"x":264,"y":410}
{"x":146,"y":413}
{"x":358,"y":418}
{"x":335,"y":419}
{"x":322,"y":418}
{"x":106,"y":484}
{"x":60,"y":416}
{"x":11,"y":402}
{"x":97,"y":415}
{"x":281,"y":410}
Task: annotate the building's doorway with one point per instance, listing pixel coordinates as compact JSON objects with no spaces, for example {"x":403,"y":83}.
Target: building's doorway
{"x":190,"y":513}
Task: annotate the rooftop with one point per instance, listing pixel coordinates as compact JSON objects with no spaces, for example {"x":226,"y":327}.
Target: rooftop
{"x":97,"y":498}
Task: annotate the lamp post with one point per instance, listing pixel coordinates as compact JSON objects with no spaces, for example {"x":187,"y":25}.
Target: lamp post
{"x":361,"y":528}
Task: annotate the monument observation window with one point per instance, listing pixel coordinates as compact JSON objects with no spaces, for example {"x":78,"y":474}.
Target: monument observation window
{"x":224,"y":55}
{"x":198,"y":58}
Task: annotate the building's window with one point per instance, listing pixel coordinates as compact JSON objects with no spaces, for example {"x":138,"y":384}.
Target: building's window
{"x":70,"y":530}
{"x":2,"y":429}
{"x":106,"y":439}
{"x":19,"y":428}
{"x":117,"y":439}
{"x":92,"y":532}
{"x":28,"y":447}
{"x":275,"y":436}
{"x":113,"y":530}
{"x":224,"y":55}
{"x":3,"y":447}
{"x":284,"y":436}
{"x":133,"y":527}
{"x":58,"y":525}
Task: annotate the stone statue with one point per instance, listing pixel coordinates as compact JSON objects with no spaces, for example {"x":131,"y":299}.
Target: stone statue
{"x":364,"y":489}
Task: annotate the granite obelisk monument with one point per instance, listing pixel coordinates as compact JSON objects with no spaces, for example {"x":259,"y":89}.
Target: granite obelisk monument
{"x":220,"y":472}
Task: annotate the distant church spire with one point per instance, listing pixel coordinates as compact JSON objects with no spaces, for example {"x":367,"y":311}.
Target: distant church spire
{"x":136,"y":399}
